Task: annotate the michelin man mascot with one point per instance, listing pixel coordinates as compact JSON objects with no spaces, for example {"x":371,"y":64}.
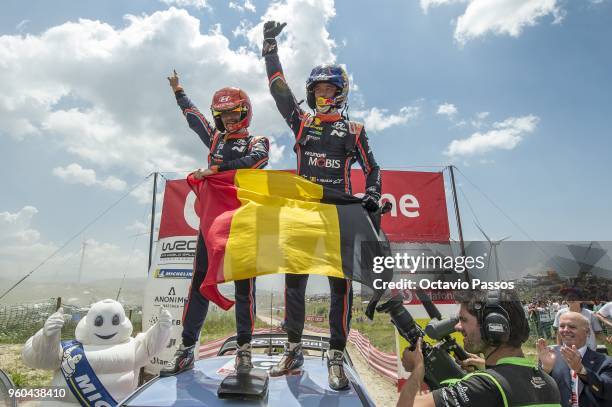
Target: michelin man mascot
{"x":101,"y":366}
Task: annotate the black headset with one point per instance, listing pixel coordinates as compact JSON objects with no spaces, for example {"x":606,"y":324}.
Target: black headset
{"x":493,"y":319}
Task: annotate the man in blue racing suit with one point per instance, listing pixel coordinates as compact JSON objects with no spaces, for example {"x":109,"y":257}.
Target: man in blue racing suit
{"x":326,"y":146}
{"x":230,"y":147}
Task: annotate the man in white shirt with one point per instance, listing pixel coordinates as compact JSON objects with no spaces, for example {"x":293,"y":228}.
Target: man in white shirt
{"x":605,"y":314}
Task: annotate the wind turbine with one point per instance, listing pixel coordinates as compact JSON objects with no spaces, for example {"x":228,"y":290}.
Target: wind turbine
{"x":84,"y":246}
{"x":493,"y":251}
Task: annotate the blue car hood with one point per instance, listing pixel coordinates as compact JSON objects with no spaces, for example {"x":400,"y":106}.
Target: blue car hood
{"x":198,"y":387}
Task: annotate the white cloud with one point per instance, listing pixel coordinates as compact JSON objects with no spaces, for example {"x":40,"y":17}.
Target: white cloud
{"x":377,"y":119}
{"x":16,"y":226}
{"x":246,"y":6}
{"x":199,"y":4}
{"x":126,"y":118}
{"x":243,"y":29}
{"x":479,"y":120}
{"x":427,"y":4}
{"x":447,"y":109}
{"x":113,"y":183}
{"x":505,"y":135}
{"x":499,"y":17}
{"x":143,"y":193}
{"x":75,"y":174}
{"x":507,"y":17}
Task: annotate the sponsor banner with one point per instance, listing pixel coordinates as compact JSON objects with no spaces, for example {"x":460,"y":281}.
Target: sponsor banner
{"x":315,"y":318}
{"x":419,"y":212}
{"x":171,"y":293}
{"x":179,"y":217}
{"x":172,"y":266}
{"x":419,"y":205}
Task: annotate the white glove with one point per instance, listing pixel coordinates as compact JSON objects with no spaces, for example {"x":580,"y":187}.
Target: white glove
{"x":54,"y":323}
{"x":165,"y":319}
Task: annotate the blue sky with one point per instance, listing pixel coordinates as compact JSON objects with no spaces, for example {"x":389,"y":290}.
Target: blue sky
{"x":515,"y":93}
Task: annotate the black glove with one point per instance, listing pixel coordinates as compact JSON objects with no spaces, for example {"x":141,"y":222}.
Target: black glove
{"x":271,"y":29}
{"x":370,"y":202}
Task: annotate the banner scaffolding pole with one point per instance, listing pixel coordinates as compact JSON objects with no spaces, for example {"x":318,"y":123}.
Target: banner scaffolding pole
{"x":457,"y":215}
{"x":155,"y":174}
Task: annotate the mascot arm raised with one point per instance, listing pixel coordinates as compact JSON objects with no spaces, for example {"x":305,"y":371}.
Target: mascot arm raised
{"x":155,"y":339}
{"x":43,"y":350}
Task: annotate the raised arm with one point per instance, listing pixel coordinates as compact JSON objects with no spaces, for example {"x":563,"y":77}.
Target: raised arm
{"x":195,"y":118}
{"x":285,"y":100}
{"x":43,"y":350}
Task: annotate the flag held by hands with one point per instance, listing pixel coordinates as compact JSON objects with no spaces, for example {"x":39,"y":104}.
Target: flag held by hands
{"x":258,"y":222}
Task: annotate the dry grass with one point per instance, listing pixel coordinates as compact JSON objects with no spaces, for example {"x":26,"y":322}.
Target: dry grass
{"x":23,"y":376}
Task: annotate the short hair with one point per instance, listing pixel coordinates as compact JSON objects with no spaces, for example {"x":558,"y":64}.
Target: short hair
{"x":510,"y":302}
{"x":581,"y":317}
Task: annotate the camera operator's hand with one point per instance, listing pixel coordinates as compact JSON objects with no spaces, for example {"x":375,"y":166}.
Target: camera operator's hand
{"x":473,"y":361}
{"x":546,"y":355}
{"x":413,"y":361}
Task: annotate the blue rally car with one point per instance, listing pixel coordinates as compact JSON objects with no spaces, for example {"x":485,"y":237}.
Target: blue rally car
{"x":306,"y":386}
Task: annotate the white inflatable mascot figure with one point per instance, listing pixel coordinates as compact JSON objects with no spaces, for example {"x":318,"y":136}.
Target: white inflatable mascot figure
{"x":101,"y":366}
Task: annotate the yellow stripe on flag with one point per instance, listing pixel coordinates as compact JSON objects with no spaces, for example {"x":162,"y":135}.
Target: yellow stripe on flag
{"x":278,"y":183}
{"x":289,"y":232}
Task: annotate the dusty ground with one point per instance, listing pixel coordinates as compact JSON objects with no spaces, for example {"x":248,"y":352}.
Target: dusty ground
{"x":382,"y":392}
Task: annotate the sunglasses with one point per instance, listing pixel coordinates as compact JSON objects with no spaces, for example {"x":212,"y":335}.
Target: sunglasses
{"x":239,"y":109}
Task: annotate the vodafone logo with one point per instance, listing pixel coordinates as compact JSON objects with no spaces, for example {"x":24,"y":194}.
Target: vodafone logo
{"x":189,"y":213}
{"x":408,"y":205}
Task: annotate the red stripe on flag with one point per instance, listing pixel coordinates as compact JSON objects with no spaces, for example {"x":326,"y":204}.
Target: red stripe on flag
{"x":218,"y":200}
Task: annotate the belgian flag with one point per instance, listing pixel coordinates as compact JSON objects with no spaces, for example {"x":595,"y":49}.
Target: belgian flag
{"x":257,"y":222}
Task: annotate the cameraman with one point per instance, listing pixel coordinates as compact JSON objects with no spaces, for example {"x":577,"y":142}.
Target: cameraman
{"x":494,"y":325}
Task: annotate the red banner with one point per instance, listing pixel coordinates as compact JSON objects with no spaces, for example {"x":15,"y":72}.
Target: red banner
{"x":178,"y":216}
{"x":418,"y":215}
{"x":419,"y":205}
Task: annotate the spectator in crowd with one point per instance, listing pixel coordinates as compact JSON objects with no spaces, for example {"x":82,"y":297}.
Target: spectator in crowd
{"x":605,"y":315}
{"x":575,"y":305}
{"x":584,"y":377}
{"x":546,"y":318}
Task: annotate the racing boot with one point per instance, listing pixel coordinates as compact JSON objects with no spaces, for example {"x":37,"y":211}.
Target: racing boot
{"x":335,"y":368}
{"x":292,"y":359}
{"x":243,"y":359}
{"x":183,"y":360}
